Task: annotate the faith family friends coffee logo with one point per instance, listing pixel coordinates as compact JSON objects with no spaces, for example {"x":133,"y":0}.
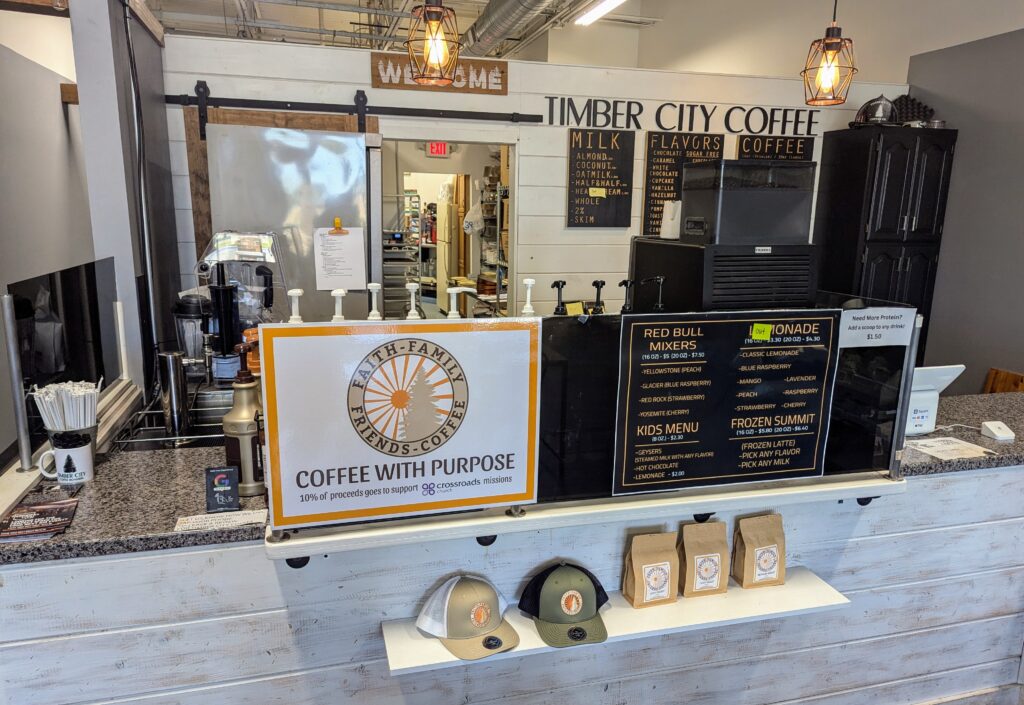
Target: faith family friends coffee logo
{"x":408,"y":397}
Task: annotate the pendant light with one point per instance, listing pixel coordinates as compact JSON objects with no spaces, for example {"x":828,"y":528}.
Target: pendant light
{"x":830,"y":66}
{"x":433,"y":44}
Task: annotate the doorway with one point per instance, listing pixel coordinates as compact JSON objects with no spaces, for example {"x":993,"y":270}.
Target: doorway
{"x":448,"y":224}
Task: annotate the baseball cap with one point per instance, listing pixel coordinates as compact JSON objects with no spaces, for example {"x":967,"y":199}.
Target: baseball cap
{"x":466,"y":615}
{"x":564,"y":601}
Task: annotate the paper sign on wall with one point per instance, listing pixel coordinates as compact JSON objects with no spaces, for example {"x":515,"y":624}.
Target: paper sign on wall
{"x":339,"y":258}
{"x":370,"y":421}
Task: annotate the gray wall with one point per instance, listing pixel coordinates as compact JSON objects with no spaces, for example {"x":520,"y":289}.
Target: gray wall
{"x":44,"y":226}
{"x":977,"y":316}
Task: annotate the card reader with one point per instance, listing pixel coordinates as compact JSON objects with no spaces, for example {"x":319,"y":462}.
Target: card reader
{"x":997,"y":430}
{"x":924,"y":396}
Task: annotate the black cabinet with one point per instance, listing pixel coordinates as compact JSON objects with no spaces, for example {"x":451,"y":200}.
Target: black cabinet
{"x":894,"y":175}
{"x":931,"y":185}
{"x":881,"y":271}
{"x":878,"y":218}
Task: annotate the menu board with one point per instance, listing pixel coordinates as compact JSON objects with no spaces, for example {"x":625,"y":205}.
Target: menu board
{"x":600,"y":189}
{"x":774,"y":147}
{"x":663,"y":168}
{"x":714,"y":398}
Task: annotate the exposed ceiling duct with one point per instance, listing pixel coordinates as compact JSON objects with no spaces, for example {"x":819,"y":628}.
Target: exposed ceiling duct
{"x":499,"y":20}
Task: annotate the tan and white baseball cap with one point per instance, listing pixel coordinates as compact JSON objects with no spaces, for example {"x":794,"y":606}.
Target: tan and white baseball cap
{"x":466,"y":614}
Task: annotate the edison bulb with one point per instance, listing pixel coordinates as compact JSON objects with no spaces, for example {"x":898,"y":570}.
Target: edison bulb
{"x":435,"y":48}
{"x":828,"y":72}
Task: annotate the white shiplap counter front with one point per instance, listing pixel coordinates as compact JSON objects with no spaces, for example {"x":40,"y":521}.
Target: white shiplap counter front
{"x":935,"y":577}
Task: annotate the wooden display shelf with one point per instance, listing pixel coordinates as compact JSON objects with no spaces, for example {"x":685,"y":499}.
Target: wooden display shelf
{"x":409,"y":651}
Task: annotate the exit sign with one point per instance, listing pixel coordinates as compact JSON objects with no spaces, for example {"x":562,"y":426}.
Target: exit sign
{"x":437,"y":149}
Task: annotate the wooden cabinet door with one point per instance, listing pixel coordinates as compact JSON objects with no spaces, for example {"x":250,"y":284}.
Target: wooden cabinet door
{"x":891,"y":193}
{"x":931,"y":186}
{"x":917,"y":280}
{"x":880,"y":271}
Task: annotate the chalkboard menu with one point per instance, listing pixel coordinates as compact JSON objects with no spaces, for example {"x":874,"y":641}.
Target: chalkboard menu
{"x":663,"y":168}
{"x":714,"y":398}
{"x":600,"y":192}
{"x":799,"y":149}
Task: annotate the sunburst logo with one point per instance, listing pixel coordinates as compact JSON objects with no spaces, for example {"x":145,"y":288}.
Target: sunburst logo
{"x":408,"y":397}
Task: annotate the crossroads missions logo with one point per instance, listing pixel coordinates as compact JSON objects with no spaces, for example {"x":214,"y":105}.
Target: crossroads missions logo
{"x":407,"y":397}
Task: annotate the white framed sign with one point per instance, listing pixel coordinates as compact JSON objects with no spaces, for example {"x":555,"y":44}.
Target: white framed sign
{"x":369,"y":420}
{"x":877,"y":326}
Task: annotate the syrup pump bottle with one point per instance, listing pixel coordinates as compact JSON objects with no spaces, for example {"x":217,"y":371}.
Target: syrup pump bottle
{"x":241,"y":432}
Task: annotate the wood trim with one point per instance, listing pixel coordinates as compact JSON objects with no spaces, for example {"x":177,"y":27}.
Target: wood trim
{"x":69,"y":93}
{"x":198,"y":181}
{"x":198,"y":161}
{"x":148,"y":20}
{"x":329,"y":122}
{"x":36,"y":7}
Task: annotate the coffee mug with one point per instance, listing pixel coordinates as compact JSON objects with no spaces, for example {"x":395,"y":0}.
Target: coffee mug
{"x":73,"y":466}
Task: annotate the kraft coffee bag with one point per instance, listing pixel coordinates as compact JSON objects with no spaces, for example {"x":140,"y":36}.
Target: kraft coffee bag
{"x":651,"y":572}
{"x":759,"y":551}
{"x":705,"y":559}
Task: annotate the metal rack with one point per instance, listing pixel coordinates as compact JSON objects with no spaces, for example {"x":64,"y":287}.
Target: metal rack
{"x":402,"y":259}
{"x":501,"y":264}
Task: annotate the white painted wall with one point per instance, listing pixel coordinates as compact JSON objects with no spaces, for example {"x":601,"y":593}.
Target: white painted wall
{"x":44,"y":207}
{"x":600,"y":44}
{"x":42,"y":39}
{"x":544,"y":248}
{"x":757,"y":38}
{"x":428,"y":186}
{"x":935,"y":577}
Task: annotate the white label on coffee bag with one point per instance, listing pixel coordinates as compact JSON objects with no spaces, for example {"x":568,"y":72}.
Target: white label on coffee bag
{"x":656,"y":580}
{"x":766,"y":563}
{"x":707,"y":571}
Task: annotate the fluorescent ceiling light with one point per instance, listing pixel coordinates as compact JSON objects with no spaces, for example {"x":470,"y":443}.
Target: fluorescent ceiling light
{"x":598,"y":11}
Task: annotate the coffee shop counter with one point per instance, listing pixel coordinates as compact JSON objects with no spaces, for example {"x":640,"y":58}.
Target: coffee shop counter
{"x":207,"y":619}
{"x":133,"y":505}
{"x":137,"y":497}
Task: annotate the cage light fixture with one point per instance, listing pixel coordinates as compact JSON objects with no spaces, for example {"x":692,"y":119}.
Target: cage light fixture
{"x":433,"y":44}
{"x":830,"y":66}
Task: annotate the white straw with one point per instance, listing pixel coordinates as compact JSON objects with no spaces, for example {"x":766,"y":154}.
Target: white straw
{"x":67,"y":406}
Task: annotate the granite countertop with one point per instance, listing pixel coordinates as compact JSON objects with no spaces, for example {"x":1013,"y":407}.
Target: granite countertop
{"x":137,"y":496}
{"x":132,"y":505}
{"x":972,"y":410}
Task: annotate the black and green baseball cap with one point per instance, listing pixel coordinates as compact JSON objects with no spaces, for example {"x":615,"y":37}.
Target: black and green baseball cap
{"x":564,"y":600}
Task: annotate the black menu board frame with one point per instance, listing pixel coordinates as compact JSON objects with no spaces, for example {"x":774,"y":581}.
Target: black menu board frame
{"x":745,"y":396}
{"x":665,"y":153}
{"x":599,"y":185}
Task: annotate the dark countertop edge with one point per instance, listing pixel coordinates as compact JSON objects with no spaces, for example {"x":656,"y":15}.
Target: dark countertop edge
{"x":41,"y":551}
{"x":934,"y":466}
